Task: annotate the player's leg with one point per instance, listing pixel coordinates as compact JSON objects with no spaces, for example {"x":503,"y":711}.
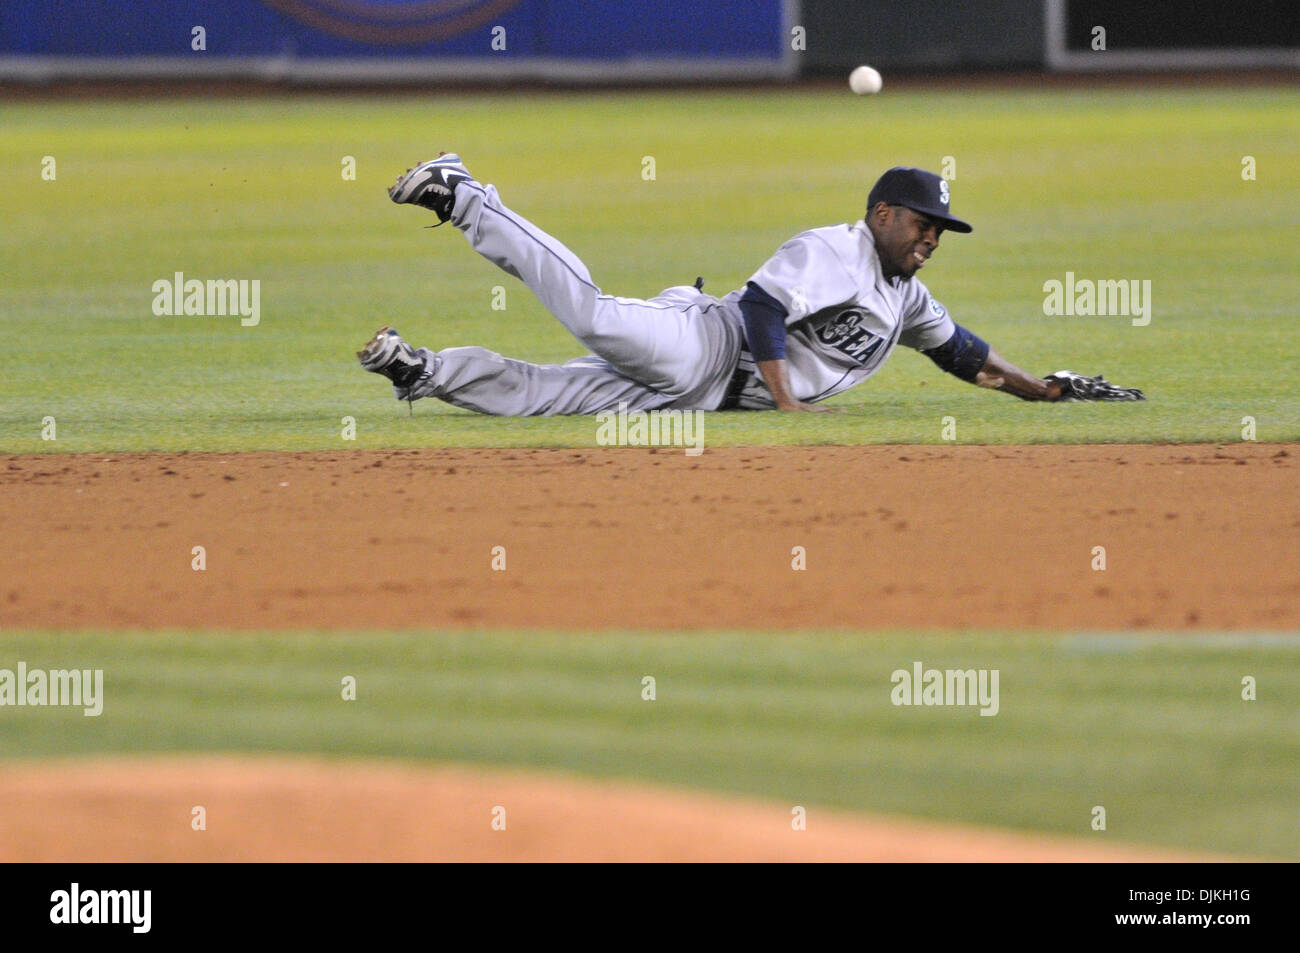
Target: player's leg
{"x":675,"y":347}
{"x":672,"y":345}
{"x":559,"y":279}
{"x":484,"y":381}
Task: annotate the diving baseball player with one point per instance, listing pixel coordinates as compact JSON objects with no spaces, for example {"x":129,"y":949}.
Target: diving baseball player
{"x":820,"y":316}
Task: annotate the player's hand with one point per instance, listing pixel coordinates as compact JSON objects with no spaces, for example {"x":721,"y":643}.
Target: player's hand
{"x":777,"y":379}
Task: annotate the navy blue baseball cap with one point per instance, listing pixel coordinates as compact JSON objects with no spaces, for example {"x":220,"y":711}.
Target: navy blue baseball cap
{"x":918,"y":190}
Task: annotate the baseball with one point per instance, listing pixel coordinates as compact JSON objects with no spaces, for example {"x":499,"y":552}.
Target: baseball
{"x":865,"y":80}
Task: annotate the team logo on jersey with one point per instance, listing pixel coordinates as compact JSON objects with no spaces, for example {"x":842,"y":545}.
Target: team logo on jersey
{"x":937,"y":309}
{"x":846,"y":334}
{"x":943,"y":191}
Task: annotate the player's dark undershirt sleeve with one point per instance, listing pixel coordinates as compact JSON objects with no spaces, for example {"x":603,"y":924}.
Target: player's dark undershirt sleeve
{"x":962,"y":355}
{"x":764,"y":323}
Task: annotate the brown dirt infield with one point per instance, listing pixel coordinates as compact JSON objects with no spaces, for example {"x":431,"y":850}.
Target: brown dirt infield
{"x":282,"y":809}
{"x":1196,"y":537}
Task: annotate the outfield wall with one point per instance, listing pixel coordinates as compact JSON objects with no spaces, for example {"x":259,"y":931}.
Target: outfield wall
{"x":607,"y":41}
{"x":1050,"y":34}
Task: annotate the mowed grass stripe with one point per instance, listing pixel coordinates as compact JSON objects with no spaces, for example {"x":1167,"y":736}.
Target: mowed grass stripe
{"x":1156,"y":732}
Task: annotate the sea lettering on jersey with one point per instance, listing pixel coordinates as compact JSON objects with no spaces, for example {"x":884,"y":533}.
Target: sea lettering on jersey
{"x":846,"y":334}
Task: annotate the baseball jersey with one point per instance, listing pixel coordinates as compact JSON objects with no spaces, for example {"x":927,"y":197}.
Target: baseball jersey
{"x":844,"y":318}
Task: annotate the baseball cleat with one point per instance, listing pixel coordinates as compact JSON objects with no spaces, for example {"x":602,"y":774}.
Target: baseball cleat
{"x":432,"y":184}
{"x":386,"y":353}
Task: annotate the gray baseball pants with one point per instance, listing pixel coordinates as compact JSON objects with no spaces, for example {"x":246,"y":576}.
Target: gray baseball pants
{"x":678,"y":349}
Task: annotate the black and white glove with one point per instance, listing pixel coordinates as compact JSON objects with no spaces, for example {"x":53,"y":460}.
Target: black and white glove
{"x":1077,"y":387}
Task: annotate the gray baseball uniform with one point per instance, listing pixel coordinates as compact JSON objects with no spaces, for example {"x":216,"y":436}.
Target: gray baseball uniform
{"x":681,"y":349}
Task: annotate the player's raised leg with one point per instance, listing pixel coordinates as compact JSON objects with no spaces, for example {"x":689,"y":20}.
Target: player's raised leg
{"x":672,"y":345}
{"x":552,"y":272}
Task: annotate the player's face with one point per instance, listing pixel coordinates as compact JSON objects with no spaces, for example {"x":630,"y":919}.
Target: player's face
{"x":905,"y":240}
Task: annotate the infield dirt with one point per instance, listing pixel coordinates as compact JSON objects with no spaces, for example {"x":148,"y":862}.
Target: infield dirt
{"x":1194,"y":537}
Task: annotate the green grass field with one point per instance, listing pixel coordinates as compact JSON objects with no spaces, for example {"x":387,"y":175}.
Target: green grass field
{"x":1153,"y":729}
{"x":1108,"y":184}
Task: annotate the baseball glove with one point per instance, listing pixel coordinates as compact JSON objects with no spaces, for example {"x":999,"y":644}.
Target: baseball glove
{"x":1077,"y":387}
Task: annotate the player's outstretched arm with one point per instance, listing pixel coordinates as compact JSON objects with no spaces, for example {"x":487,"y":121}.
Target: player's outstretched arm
{"x":1000,"y":374}
{"x":969,"y":357}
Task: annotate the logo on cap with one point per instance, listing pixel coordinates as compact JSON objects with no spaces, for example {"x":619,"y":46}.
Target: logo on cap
{"x":919,"y":190}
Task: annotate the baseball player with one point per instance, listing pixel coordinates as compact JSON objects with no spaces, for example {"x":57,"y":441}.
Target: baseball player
{"x":820,"y":316}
